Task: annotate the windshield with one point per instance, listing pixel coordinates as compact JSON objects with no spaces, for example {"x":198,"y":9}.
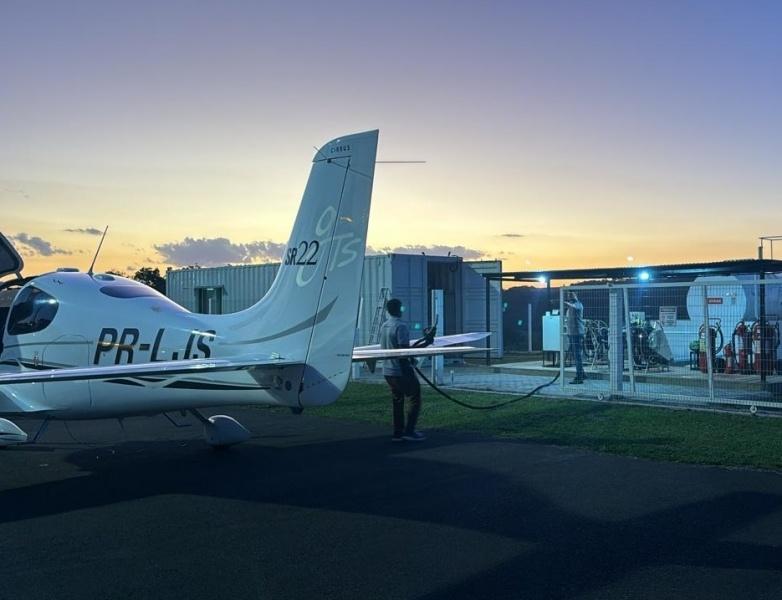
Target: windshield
{"x":32,"y":311}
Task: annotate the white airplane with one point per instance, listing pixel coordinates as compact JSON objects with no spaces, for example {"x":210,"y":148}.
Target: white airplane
{"x":89,"y":346}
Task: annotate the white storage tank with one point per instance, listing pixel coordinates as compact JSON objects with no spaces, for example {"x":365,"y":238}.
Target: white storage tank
{"x":729,"y":299}
{"x":732,"y":298}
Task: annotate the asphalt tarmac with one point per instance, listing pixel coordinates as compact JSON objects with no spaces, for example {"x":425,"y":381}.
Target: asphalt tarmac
{"x":317,"y":508}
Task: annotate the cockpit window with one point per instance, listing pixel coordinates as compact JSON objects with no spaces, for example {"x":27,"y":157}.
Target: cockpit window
{"x":129,"y":291}
{"x":32,"y":311}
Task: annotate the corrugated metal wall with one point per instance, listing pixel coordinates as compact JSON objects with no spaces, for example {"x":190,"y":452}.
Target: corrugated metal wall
{"x":404,"y":275}
{"x":474,"y":302}
{"x":243,"y":285}
{"x":410,"y":285}
{"x":377,"y":275}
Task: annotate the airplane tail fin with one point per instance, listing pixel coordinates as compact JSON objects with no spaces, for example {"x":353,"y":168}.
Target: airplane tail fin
{"x":310,"y":311}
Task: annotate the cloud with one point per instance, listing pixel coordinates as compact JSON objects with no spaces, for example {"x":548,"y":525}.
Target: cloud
{"x":87,"y":230}
{"x":209,"y":252}
{"x":433,"y":250}
{"x":35,"y":245}
{"x":512,"y":235}
{"x":133,"y":246}
{"x":12,"y":190}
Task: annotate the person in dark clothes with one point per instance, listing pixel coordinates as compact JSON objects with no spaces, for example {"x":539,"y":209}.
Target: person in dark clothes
{"x":400,"y":376}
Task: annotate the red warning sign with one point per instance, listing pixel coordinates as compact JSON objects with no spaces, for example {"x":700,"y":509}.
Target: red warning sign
{"x":714,"y":299}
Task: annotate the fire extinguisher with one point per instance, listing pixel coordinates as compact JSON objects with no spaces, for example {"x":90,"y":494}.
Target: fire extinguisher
{"x":730,"y":359}
{"x":702,"y":365}
{"x":742,"y":346}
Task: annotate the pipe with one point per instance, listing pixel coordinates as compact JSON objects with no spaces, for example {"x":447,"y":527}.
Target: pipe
{"x":629,"y":339}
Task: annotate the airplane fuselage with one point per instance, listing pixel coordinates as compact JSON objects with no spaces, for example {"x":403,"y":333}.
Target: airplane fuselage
{"x":109,"y":320}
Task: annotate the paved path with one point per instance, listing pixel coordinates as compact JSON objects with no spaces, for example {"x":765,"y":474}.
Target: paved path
{"x":317,"y":508}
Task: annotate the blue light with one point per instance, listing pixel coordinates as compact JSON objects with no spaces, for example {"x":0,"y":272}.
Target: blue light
{"x":542,"y":279}
{"x":644,"y":276}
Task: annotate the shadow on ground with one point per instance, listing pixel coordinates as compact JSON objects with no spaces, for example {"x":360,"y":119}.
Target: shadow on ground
{"x":569,"y":554}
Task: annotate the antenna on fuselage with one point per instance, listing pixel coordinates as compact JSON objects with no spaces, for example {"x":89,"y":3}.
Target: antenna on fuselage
{"x":383,"y":162}
{"x":100,"y":244}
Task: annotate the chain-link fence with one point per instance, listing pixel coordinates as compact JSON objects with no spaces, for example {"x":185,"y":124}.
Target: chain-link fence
{"x":714,"y":342}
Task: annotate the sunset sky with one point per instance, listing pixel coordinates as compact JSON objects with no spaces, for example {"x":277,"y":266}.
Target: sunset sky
{"x":556,"y":134}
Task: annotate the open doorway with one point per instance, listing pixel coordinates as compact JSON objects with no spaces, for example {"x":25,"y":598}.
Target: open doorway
{"x":445,"y":273}
{"x":209,"y":300}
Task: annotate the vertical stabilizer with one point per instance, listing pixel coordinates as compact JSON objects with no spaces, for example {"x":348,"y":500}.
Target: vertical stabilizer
{"x":310,"y":312}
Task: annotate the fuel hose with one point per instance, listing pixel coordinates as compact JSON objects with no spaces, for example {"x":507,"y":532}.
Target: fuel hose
{"x":445,"y":394}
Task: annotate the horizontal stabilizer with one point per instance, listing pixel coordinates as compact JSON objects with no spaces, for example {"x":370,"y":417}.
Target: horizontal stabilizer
{"x":367,"y":353}
{"x":162,"y":368}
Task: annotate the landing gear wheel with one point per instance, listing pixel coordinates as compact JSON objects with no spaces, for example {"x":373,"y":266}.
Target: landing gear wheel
{"x":221,"y":431}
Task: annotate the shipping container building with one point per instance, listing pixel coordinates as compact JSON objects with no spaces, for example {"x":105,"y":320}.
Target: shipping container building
{"x":469,"y":301}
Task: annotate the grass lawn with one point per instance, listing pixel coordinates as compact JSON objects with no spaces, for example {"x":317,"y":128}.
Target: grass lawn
{"x":649,"y":432}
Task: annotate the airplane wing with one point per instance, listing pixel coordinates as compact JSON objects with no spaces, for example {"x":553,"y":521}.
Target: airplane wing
{"x":170,"y":367}
{"x":442,"y":341}
{"x":370,"y":353}
{"x":441,"y":345}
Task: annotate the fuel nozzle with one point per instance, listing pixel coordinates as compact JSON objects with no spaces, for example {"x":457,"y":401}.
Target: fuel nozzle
{"x":429,"y":335}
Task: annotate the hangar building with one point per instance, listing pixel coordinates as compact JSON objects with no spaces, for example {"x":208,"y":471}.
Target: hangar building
{"x":469,"y":300}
